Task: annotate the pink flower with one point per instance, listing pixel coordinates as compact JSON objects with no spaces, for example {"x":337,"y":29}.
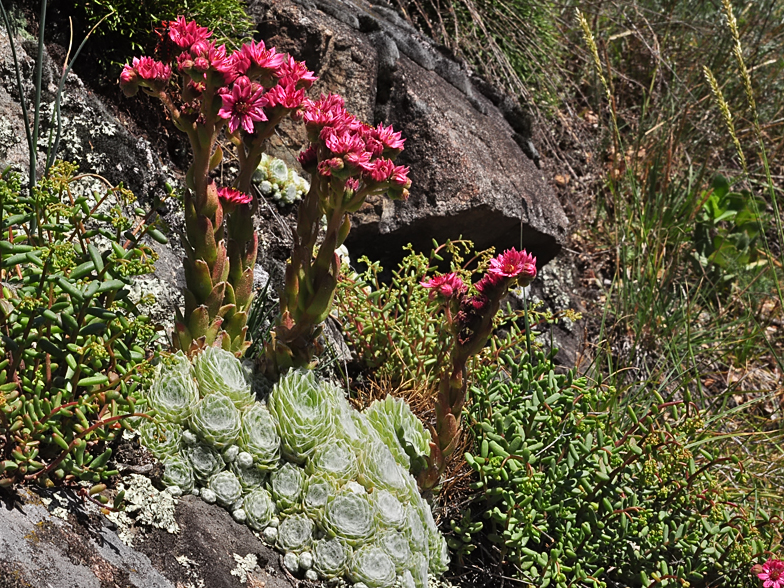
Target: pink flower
{"x":286,"y":95}
{"x":512,"y":263}
{"x":308,"y":159}
{"x":243,"y":106}
{"x":772,"y":574}
{"x":382,"y":170}
{"x":400,"y":176}
{"x":297,"y":71}
{"x":325,"y":111}
{"x":184,"y":34}
{"x":447,"y":286}
{"x":352,"y":184}
{"x":260,"y":60}
{"x":325,"y":167}
{"x":234,"y":196}
{"x":143,"y":71}
{"x":388,"y":138}
{"x":343,"y":143}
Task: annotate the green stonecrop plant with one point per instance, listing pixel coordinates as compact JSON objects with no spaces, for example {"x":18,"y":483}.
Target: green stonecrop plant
{"x":277,"y":182}
{"x":75,"y":347}
{"x":327,"y":485}
{"x":574,"y":492}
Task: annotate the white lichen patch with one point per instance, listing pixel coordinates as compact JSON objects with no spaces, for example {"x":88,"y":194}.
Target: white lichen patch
{"x":191,"y":568}
{"x":144,"y":506}
{"x":245,"y":565}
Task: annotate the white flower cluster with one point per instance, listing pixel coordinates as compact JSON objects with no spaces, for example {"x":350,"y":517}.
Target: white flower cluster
{"x":275,"y":180}
{"x":329,"y":486}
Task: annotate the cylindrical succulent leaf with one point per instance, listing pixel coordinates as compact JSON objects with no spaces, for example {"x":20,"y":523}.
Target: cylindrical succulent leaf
{"x":163,"y":439}
{"x":218,"y":371}
{"x":295,"y":533}
{"x":349,"y":516}
{"x":331,"y":557}
{"x":286,"y":487}
{"x":259,"y":436}
{"x":227,"y":488}
{"x":371,"y":565}
{"x":205,"y":460}
{"x":178,"y":471}
{"x":259,"y":509}
{"x":303,"y":412}
{"x":216,"y":420}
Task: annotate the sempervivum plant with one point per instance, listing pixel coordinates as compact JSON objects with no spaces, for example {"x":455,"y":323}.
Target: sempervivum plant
{"x":370,"y":564}
{"x":217,"y":370}
{"x":390,"y":512}
{"x":295,"y":533}
{"x":205,"y":460}
{"x":259,"y":437}
{"x":349,"y":516}
{"x":396,"y":546}
{"x":336,"y":460}
{"x":378,"y":469}
{"x":303,"y":411}
{"x":318,"y":489}
{"x":259,"y":508}
{"x":286,"y":485}
{"x":216,"y":420}
{"x":331,"y":557}
{"x":163,"y":439}
{"x":174,"y":394}
{"x":227,"y":488}
{"x":402,"y":432}
{"x":178,"y":471}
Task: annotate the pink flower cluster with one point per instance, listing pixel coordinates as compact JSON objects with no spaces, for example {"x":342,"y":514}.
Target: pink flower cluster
{"x":253,"y":83}
{"x":771,"y":573}
{"x":508,"y":268}
{"x":342,"y":146}
{"x":234,"y":196}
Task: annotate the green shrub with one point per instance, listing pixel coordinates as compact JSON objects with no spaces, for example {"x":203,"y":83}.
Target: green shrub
{"x":576,"y":494}
{"x":75,"y":347}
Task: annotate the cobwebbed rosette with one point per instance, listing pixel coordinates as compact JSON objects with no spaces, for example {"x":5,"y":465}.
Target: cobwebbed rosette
{"x":259,"y":509}
{"x":349,"y":516}
{"x":219,"y":372}
{"x":415,"y":531}
{"x":173,"y":394}
{"x":205,"y":460}
{"x":250,"y":477}
{"x":259,"y":437}
{"x":216,"y":420}
{"x":401,"y":431}
{"x":286,"y":487}
{"x":370,"y":564}
{"x":396,"y":546}
{"x":303,"y":412}
{"x":390,"y":512}
{"x":178,"y":471}
{"x":331,"y":557}
{"x":227,"y":488}
{"x":295,"y":533}
{"x":318,"y":489}
{"x":419,"y":570}
{"x":162,"y":438}
{"x":379,"y":470}
{"x":336,"y":460}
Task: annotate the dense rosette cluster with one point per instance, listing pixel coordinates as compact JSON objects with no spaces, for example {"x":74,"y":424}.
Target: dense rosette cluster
{"x":336,"y":497}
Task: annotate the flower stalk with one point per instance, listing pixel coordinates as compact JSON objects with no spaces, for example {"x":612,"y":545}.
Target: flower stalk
{"x":470,"y":319}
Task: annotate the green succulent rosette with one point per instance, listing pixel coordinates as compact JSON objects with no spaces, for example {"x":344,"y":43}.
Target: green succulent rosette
{"x":286,"y":486}
{"x":415,"y":531}
{"x":304,"y":414}
{"x":331,"y":557}
{"x":390,"y":512}
{"x":402,"y":431}
{"x":336,"y":460}
{"x":173,"y":394}
{"x":250,"y":477}
{"x":396,"y":546}
{"x":216,"y":420}
{"x":163,"y":439}
{"x":227,"y":488}
{"x":219,"y":372}
{"x":318,"y":489}
{"x":349,"y":516}
{"x":205,"y":460}
{"x":295,"y":533}
{"x":371,"y":564}
{"x":178,"y":471}
{"x":259,"y":436}
{"x":378,"y":470}
{"x":259,"y":509}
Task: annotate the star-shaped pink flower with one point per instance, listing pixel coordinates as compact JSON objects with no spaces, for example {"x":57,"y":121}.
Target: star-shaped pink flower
{"x":447,"y":285}
{"x":512,"y":263}
{"x":772,"y":574}
{"x":243,"y":105}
